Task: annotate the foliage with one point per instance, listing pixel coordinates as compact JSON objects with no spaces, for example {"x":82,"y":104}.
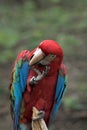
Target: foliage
{"x":8,"y":38}
{"x":72,"y":103}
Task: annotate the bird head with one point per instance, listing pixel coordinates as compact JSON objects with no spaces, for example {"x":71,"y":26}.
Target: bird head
{"x":46,"y":52}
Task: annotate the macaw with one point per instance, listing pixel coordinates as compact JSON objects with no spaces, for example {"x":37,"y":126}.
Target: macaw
{"x":38,"y":80}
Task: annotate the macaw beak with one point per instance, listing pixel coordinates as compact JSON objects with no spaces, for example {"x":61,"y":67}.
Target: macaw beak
{"x":36,"y":57}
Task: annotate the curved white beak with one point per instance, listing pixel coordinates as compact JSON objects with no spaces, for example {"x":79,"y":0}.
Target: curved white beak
{"x":37,"y":56}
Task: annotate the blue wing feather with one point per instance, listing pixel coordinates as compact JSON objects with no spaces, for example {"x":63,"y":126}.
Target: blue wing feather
{"x":24,"y":71}
{"x":60,"y":88}
{"x":20,"y":75}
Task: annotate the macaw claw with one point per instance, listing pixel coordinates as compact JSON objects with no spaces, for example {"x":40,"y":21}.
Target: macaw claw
{"x":40,"y":115}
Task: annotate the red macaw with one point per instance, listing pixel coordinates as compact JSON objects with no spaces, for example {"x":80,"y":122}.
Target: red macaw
{"x":38,"y":80}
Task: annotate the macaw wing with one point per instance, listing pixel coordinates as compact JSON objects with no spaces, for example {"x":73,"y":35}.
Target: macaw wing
{"x":60,"y":89}
{"x":18,"y":85}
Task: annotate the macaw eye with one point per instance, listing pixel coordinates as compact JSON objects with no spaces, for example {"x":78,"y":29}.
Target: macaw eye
{"x":53,"y":55}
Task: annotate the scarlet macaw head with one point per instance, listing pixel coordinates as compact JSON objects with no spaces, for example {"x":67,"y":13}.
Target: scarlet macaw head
{"x":46,"y":52}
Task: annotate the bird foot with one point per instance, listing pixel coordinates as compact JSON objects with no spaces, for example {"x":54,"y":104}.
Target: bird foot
{"x":40,"y":115}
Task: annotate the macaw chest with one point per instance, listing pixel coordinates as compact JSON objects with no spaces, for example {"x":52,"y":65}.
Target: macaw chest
{"x":40,"y":85}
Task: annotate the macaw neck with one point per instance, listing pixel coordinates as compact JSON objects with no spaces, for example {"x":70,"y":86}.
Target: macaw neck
{"x":53,"y":67}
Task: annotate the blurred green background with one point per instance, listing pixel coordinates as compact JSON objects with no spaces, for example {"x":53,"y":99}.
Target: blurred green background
{"x":23,"y":25}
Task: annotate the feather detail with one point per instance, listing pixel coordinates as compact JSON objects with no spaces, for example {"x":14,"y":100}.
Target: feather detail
{"x":18,"y":85}
{"x":60,"y":89}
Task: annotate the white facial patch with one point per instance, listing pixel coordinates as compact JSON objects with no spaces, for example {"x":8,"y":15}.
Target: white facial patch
{"x":48,"y":59}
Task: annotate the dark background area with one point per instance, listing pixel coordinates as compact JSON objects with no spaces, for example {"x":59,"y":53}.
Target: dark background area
{"x":23,"y":25}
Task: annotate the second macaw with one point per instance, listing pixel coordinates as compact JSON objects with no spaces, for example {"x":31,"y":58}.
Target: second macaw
{"x":38,"y":80}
